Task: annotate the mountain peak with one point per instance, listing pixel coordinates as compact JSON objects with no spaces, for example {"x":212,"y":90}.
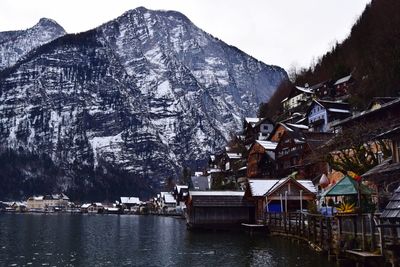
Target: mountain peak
{"x":143,"y":10}
{"x":46,"y":22}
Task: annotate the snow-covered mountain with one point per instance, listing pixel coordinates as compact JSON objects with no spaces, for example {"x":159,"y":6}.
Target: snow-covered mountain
{"x":15,"y":44}
{"x":146,"y":92}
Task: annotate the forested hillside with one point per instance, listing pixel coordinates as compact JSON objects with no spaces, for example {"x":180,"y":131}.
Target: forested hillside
{"x":371,"y":53}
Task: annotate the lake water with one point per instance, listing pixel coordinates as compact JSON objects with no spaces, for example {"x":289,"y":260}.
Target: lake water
{"x":129,"y":240}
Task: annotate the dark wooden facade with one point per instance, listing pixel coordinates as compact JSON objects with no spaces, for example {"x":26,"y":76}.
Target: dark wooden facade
{"x":293,"y":154}
{"x":260,"y":162}
{"x":290,"y":153}
{"x":218,"y":210}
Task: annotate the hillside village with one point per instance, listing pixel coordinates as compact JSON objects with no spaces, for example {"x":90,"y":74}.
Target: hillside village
{"x":307,"y":148}
{"x":323,"y":158}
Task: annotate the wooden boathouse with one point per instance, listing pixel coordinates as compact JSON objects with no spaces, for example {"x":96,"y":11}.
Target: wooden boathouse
{"x":218,"y":210}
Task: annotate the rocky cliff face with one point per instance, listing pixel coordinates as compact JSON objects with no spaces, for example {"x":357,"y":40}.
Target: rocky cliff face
{"x":16,"y":44}
{"x":144,"y":93}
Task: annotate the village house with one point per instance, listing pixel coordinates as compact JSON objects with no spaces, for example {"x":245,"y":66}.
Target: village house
{"x":47,"y":202}
{"x":298,"y":97}
{"x":382,"y":119}
{"x":261,"y":159}
{"x":290,"y":150}
{"x":14,"y":206}
{"x":201,"y":183}
{"x":130,"y":203}
{"x":323,"y":90}
{"x":92,"y":208}
{"x":385,"y":176}
{"x":342,"y":86}
{"x":292,"y":154}
{"x":322,"y":113}
{"x":168,"y":202}
{"x":259,"y":130}
{"x":278,"y":195}
{"x":180,"y":194}
{"x":390,"y":111}
{"x":218,"y":209}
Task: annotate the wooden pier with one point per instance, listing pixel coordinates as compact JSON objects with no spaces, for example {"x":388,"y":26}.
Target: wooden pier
{"x":345,"y":238}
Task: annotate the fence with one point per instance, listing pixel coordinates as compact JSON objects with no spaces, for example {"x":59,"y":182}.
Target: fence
{"x":334,"y":234}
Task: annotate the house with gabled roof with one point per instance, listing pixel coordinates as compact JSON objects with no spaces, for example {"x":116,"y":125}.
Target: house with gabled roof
{"x":323,"y":90}
{"x":261,"y":159}
{"x":322,"y":113}
{"x":341,"y":86}
{"x":293,"y":150}
{"x":257,"y":130}
{"x":299,"y":96}
{"x":269,"y":194}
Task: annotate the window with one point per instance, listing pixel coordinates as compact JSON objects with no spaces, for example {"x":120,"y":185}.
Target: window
{"x":380,"y":157}
{"x":397,"y":148}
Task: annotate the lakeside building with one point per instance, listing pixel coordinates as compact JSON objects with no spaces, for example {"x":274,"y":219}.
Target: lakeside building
{"x":180,"y":194}
{"x":218,"y":209}
{"x":167,"y":202}
{"x":279,"y":195}
{"x":130,"y":203}
{"x":96,"y":207}
{"x":47,"y":202}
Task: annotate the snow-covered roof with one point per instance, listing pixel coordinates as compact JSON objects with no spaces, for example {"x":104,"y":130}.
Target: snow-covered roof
{"x":214,"y":170}
{"x":268,"y":145}
{"x":38,"y":197}
{"x":234,"y":155}
{"x":86,"y":205}
{"x":130,"y":200}
{"x":260,"y":187}
{"x":286,"y":127}
{"x":169,"y":198}
{"x":339,"y":110}
{"x":198,"y":173}
{"x":343,"y":80}
{"x":304,"y":90}
{"x":252,"y":120}
{"x":299,"y":126}
{"x":308,"y":184}
{"x":179,"y":187}
{"x":298,"y":141}
{"x":216,"y":193}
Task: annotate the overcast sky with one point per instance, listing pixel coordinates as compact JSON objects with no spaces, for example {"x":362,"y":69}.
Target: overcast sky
{"x":279,"y":32}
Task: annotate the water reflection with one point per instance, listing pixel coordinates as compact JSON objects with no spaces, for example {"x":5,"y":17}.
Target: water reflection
{"x":128,"y":240}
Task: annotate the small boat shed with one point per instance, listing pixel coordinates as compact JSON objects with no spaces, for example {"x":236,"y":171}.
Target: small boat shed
{"x":218,"y":209}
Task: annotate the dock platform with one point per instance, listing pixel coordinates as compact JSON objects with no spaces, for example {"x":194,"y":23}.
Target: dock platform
{"x":255,"y":228}
{"x":364,"y":258}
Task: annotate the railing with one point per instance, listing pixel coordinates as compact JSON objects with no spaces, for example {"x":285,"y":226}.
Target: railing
{"x":334,"y":234}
